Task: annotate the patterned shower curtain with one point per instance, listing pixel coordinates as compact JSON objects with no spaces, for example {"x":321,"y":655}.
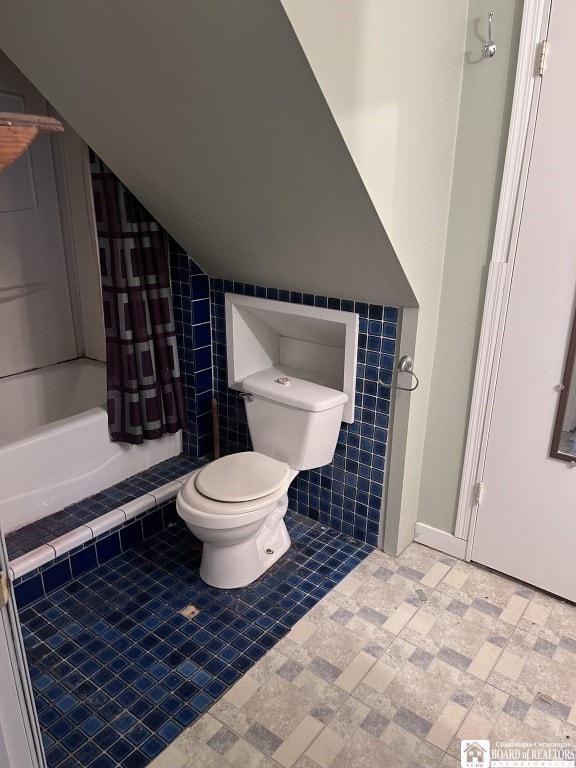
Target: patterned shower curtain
{"x":145,"y":398}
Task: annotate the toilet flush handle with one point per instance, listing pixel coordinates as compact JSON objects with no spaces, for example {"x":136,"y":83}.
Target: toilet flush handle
{"x":247,"y":396}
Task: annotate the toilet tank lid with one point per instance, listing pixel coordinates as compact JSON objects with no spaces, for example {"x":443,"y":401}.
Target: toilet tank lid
{"x":274,"y":384}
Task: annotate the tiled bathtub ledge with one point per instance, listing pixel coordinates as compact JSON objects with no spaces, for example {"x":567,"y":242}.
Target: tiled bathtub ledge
{"x":115,"y":519}
{"x":44,"y":530}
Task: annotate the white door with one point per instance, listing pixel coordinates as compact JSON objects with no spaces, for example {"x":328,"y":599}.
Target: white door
{"x":20,"y":739}
{"x":36,"y":326}
{"x":526,"y":524}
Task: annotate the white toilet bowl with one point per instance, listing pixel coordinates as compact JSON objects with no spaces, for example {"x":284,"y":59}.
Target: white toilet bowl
{"x":236,"y":507}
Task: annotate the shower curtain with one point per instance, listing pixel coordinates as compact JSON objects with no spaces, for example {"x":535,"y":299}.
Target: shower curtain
{"x":145,"y":397}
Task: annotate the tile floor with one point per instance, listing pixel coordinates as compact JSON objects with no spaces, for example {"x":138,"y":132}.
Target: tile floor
{"x":373,"y":676}
{"x":120,"y":667}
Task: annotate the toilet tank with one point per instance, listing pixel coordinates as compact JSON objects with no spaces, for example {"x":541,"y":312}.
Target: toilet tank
{"x":293,"y":420}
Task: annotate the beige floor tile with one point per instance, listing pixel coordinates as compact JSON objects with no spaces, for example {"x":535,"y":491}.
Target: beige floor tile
{"x":236,"y":719}
{"x":514,"y":609}
{"x":380,"y":558}
{"x":489,"y":702}
{"x":348,"y":717}
{"x":421,"y":558}
{"x":549,"y":618}
{"x":537,"y":614}
{"x":397,"y":653}
{"x":406,"y":750}
{"x":538,"y":679}
{"x":445,"y":727}
{"x":335,"y":643}
{"x":489,"y":719}
{"x":412,"y":685}
{"x":355,"y":671}
{"x":320,"y":613}
{"x":426,"y":692}
{"x":348,"y":586}
{"x":369,"y":632}
{"x":474,"y":727}
{"x":279,"y":706}
{"x":197,"y":734}
{"x":306,"y":762}
{"x":383,"y":596}
{"x":366,"y":751}
{"x":379,"y":677}
{"x":485,"y":585}
{"x":484,"y":661}
{"x":267,"y":665}
{"x":296,"y":651}
{"x":400,"y":618}
{"x":298,"y":741}
{"x":449,"y":762}
{"x":459,"y":629}
{"x":509,"y":665}
{"x":204,"y":757}
{"x":435,"y":574}
{"x":319,"y":691}
{"x":242,"y":691}
{"x":244,"y":755}
{"x":325,"y":747}
{"x":456,"y":577}
{"x":422,"y":622}
{"x":171,"y":757}
{"x":302,"y":631}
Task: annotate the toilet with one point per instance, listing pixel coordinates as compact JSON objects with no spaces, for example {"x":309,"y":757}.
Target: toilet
{"x":236,"y":505}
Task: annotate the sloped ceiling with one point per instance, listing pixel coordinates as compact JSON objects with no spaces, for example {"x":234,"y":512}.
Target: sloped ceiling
{"x":209,"y":112}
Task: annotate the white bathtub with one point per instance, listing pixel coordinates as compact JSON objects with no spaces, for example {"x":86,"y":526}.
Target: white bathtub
{"x":54,"y":443}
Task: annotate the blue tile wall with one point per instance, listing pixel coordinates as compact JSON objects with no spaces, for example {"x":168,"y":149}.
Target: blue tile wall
{"x":191,"y":300}
{"x":347,"y":494}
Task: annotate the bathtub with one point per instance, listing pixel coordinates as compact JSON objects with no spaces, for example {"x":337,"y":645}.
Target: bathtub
{"x":54,"y":443}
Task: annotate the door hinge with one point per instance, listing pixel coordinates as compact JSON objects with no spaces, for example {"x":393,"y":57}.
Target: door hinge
{"x":542,"y":60}
{"x":4,"y":590}
{"x":478,"y":493}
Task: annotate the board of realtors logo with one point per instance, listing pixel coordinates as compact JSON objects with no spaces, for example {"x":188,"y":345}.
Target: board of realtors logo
{"x":475,"y":754}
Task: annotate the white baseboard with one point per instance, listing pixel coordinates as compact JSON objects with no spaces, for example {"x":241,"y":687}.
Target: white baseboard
{"x":437,"y":539}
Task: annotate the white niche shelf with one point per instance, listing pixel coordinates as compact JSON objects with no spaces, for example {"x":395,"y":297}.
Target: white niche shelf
{"x":310,"y":343}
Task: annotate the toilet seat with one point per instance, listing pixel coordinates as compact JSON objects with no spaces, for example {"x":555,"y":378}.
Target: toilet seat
{"x":197,"y":501}
{"x":242,"y":477}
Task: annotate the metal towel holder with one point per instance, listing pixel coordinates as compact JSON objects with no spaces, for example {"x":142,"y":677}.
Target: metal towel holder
{"x":405,"y":365}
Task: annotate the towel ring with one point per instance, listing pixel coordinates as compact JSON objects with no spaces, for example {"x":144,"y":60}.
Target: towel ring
{"x":405,"y":365}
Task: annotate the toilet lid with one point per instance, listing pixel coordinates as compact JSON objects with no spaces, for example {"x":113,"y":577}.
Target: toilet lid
{"x":242,"y":477}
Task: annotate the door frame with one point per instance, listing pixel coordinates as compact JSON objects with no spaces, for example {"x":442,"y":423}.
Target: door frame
{"x":535,"y":21}
{"x":20,"y":736}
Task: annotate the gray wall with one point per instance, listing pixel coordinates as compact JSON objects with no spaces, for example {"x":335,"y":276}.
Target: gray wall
{"x":487,"y":91}
{"x":392,"y":73}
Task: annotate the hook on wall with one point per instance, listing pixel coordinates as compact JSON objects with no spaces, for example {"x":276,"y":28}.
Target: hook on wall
{"x":489,"y":48}
{"x":488,"y":45}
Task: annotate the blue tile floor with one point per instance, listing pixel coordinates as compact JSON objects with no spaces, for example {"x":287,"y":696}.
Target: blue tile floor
{"x":119,"y":671}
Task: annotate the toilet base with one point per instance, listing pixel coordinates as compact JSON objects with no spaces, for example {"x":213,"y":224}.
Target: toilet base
{"x":237,"y":565}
